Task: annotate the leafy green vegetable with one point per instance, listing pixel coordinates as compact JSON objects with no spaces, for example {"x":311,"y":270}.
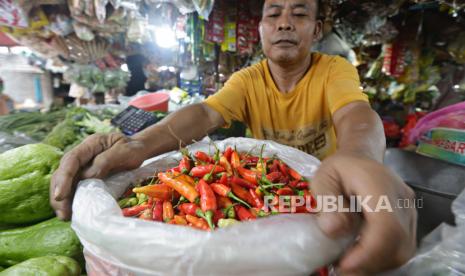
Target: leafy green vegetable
{"x":78,"y":124}
{"x":35,"y":125}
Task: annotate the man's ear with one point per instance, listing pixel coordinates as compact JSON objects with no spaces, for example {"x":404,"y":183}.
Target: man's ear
{"x":260,"y":29}
{"x":318,"y":31}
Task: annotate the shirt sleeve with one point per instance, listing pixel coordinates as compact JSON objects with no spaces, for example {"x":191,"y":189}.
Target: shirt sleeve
{"x":343,"y":85}
{"x":230,"y":101}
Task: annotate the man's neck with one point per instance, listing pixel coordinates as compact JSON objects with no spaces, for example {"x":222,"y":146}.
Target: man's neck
{"x":286,"y":76}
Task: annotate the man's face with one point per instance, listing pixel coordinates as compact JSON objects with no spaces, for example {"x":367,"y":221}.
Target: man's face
{"x":288,"y":29}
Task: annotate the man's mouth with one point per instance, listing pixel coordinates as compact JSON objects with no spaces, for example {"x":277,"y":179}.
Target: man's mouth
{"x":285,"y":42}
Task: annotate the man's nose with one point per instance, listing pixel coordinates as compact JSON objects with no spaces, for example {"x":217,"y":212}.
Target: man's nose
{"x":285,"y":23}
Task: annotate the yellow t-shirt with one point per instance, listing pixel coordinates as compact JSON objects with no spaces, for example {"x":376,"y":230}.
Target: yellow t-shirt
{"x":300,"y":118}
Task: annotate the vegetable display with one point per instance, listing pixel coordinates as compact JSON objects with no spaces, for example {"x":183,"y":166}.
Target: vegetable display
{"x":25,"y":174}
{"x":50,"y":237}
{"x":47,"y":265}
{"x":207,"y":192}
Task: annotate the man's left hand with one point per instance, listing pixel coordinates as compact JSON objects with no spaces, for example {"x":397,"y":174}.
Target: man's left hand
{"x":387,"y":238}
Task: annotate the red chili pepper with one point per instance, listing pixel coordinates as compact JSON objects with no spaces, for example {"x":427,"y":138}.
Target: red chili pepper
{"x":323,"y":271}
{"x":158,"y":191}
{"x":224,"y":179}
{"x":134,"y":211}
{"x":242,"y":193}
{"x":309,"y":197}
{"x":223,"y":202}
{"x":174,"y":170}
{"x":157,"y":214}
{"x":225,"y":164}
{"x":189,"y":208}
{"x":168,"y":212}
{"x":283,"y":168}
{"x":202,"y":170}
{"x":179,"y":220}
{"x":293,"y":183}
{"x":202,"y":156}
{"x":225,"y":191}
{"x":235,"y":160}
{"x":258,"y":201}
{"x":284,"y":179}
{"x":249,"y":175}
{"x":243,"y":183}
{"x":251,"y":160}
{"x":275,"y":166}
{"x":302,"y":209}
{"x":217,"y":216}
{"x":182,"y":183}
{"x":285,"y":191}
{"x":194,"y":210}
{"x":302,"y":185}
{"x":295,"y":174}
{"x":146,"y":215}
{"x":274,"y":176}
{"x":243,"y":214}
{"x":198,"y":223}
{"x":185,"y":165}
{"x":227,"y":153}
{"x":207,"y":197}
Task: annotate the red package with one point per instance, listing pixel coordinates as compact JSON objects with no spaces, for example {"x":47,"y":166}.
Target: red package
{"x":214,"y":29}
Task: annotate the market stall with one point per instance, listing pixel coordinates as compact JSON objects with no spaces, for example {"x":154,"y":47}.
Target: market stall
{"x":121,"y":66}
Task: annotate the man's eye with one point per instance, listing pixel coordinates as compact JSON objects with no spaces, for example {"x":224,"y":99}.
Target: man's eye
{"x":273,"y":15}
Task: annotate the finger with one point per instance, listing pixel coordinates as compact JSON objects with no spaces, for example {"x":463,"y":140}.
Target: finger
{"x":385,"y":239}
{"x":119,"y":157}
{"x":62,"y":208}
{"x":100,"y":166}
{"x":376,"y":249}
{"x":334,"y":224}
{"x":71,"y":163}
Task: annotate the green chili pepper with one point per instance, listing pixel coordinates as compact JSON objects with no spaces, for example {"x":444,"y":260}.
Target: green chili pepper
{"x":142,"y":198}
{"x":223,"y":223}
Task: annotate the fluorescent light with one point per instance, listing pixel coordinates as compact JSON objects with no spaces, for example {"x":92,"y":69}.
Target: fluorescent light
{"x":165,"y":37}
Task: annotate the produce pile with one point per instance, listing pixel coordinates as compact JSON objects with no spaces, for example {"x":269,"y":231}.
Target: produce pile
{"x":35,"y":125}
{"x":215,"y":191}
{"x":32,"y":241}
{"x":77,"y":125}
{"x":64,"y":128}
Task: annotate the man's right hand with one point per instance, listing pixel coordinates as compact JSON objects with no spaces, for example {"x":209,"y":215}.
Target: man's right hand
{"x":100,"y":155}
{"x":96,"y":157}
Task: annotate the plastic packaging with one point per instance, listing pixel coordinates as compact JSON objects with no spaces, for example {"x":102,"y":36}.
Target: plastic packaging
{"x":442,"y":251}
{"x":9,"y":141}
{"x":279,"y":245}
{"x":450,"y":117}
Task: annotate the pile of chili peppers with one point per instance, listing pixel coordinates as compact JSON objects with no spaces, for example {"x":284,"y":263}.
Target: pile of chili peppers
{"x":209,"y":191}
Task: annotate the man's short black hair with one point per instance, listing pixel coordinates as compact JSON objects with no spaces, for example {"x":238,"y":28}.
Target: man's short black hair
{"x":319,"y":5}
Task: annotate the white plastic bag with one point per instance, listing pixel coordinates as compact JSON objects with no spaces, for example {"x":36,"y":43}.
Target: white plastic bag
{"x":278,"y":245}
{"x":442,"y":252}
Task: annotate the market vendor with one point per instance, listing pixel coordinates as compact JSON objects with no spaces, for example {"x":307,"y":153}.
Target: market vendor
{"x":306,"y":100}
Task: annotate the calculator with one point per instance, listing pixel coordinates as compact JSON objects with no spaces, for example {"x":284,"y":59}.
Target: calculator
{"x":132,"y":120}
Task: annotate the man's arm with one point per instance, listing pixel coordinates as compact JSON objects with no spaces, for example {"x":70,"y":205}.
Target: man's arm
{"x":386,"y":238}
{"x":359,"y":131}
{"x":100,"y":155}
{"x":190,"y":123}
